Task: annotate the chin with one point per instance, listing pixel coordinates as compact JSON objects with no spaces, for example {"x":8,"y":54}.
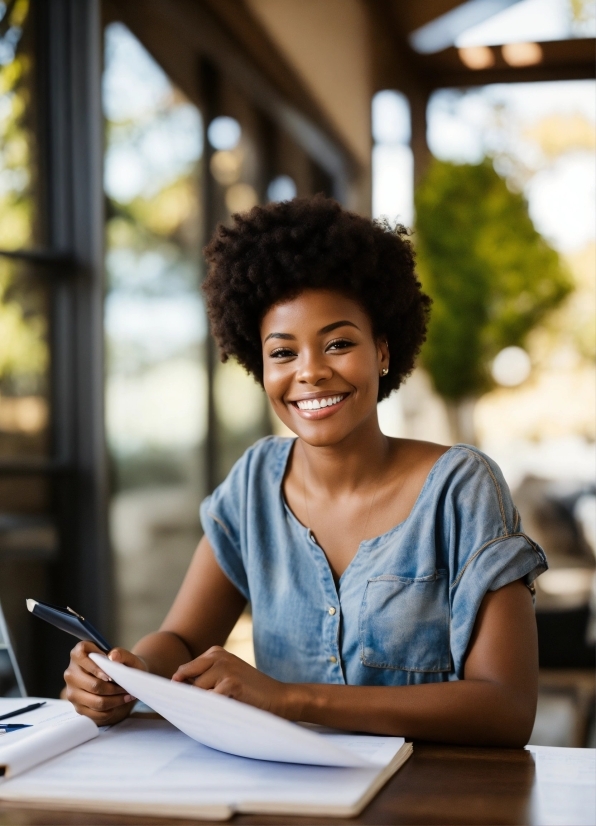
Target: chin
{"x":320,"y":436}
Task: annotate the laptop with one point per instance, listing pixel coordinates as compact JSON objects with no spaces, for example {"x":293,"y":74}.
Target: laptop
{"x":11,"y":681}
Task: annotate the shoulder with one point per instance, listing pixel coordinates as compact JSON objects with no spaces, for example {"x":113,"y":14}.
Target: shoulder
{"x":269,"y":453}
{"x":415,"y":460}
{"x":468,"y":461}
{"x":473,"y":488}
{"x":256,"y":474}
{"x":262,"y":464}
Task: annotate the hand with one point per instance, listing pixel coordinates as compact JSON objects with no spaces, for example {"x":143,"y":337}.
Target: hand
{"x":91,"y":691}
{"x":224,"y":673}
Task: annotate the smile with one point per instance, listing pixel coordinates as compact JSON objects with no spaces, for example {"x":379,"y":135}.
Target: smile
{"x":317,"y":404}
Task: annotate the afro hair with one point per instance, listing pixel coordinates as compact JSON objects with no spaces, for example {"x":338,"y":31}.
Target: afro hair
{"x":274,"y":252}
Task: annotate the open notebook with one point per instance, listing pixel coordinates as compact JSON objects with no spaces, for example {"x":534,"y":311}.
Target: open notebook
{"x":199,"y":764}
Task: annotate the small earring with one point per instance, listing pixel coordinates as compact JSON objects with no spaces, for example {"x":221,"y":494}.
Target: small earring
{"x":384,"y":371}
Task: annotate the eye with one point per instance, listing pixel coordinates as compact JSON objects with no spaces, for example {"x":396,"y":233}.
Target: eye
{"x":282,"y":353}
{"x":340,"y":344}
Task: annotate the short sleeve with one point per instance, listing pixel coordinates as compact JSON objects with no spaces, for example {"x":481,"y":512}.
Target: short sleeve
{"x":488,"y":548}
{"x":222,"y":518}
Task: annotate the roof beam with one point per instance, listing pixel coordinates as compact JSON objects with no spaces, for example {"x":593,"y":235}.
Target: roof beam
{"x":561,"y":60}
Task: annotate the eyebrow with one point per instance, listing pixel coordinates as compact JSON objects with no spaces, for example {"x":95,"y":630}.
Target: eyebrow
{"x":327,"y":329}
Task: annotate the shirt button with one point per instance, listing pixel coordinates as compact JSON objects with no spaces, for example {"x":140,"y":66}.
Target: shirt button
{"x":332,"y":659}
{"x":331,"y":610}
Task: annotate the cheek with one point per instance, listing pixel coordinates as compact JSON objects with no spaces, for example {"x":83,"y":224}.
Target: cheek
{"x":362,"y":371}
{"x":274,"y":382}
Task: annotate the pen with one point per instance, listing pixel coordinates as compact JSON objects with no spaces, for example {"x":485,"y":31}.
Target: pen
{"x":68,"y":620}
{"x":13,"y":727}
{"x":14,"y":713}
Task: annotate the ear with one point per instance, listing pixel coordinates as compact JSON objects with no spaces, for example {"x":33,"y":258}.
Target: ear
{"x":382,"y":354}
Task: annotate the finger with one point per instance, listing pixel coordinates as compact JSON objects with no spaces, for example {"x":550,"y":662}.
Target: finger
{"x":229,"y":687}
{"x":80,"y":654}
{"x":95,"y":702}
{"x":208,"y":680}
{"x":121,"y":655}
{"x":193,"y":669}
{"x":78,"y":678}
{"x":199,"y":665}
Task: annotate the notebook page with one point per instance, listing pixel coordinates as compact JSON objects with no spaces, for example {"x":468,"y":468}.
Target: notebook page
{"x":21,"y":750}
{"x":228,"y":725}
{"x":143,"y":765}
{"x":52,"y":710}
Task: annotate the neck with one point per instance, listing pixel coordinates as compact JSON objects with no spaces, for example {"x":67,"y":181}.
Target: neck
{"x":357,"y":460}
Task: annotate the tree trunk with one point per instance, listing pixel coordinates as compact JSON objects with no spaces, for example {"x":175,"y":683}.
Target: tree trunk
{"x":460,"y":414}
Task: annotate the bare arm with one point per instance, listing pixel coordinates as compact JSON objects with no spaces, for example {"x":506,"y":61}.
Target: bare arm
{"x":203,"y":614}
{"x":494,"y":704}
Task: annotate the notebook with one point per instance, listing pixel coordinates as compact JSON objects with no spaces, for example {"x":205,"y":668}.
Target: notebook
{"x":149,"y":767}
{"x":210,"y":758}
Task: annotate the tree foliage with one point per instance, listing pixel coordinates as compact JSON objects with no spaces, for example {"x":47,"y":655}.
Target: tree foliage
{"x":491,"y":275}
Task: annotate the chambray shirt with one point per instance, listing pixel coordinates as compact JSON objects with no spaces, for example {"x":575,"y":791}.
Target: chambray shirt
{"x":404,"y":609}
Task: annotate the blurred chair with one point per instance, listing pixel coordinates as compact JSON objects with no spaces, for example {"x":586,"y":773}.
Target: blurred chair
{"x":565,"y":594}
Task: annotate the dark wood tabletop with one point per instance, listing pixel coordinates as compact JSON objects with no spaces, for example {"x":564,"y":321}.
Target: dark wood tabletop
{"x":438,"y":785}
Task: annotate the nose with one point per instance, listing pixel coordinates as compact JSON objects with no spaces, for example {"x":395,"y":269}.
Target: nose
{"x":313,"y":368}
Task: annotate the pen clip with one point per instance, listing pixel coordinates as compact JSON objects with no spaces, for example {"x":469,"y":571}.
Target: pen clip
{"x":75,"y":613}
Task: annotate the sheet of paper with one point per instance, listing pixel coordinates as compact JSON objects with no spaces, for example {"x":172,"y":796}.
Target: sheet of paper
{"x":230,"y":726}
{"x":52,"y":710}
{"x":149,"y":763}
{"x":42,"y":742}
{"x":556,"y":770}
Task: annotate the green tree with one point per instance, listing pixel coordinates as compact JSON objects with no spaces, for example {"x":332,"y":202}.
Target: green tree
{"x":491,"y":275}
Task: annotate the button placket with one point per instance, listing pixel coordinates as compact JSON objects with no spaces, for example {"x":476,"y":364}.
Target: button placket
{"x":330,"y":628}
{"x":332,"y":611}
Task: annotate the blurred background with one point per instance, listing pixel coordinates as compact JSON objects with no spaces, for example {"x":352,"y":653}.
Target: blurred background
{"x":128,"y":130}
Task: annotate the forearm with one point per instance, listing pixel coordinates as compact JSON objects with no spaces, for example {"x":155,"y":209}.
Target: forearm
{"x":163,"y":652}
{"x":465,"y":712}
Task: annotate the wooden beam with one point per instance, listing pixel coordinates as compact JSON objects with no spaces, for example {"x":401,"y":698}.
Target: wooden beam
{"x":397,"y":66}
{"x":562,"y":60}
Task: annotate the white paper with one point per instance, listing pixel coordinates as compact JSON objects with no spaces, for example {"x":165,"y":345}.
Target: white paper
{"x":52,"y":710}
{"x":42,"y":742}
{"x":148,"y":765}
{"x":556,"y":770}
{"x":228,"y":725}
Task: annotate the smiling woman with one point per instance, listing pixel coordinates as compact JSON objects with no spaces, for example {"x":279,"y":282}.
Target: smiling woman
{"x":388,"y":577}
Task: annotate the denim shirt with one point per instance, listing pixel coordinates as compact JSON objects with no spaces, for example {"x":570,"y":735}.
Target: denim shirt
{"x":404,"y":609}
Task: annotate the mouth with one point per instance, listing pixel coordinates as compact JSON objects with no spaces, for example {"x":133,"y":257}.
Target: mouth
{"x":320,"y":407}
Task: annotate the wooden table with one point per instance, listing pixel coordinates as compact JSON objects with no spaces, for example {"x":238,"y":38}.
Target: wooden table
{"x":438,"y":785}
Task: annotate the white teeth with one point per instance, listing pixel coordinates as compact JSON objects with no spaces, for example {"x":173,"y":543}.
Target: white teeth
{"x":317,"y":404}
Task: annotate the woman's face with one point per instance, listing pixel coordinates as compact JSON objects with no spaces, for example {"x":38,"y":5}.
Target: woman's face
{"x":321,"y":365}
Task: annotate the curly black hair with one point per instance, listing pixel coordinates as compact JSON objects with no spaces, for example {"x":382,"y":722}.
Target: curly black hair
{"x":274,"y":252}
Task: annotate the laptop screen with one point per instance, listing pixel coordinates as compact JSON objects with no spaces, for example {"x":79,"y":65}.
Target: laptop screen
{"x":11,"y":682}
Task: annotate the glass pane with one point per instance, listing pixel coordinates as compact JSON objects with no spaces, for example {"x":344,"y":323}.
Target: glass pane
{"x":24,"y":361}
{"x":27,"y":531}
{"x":156,"y":394}
{"x":18,"y":170}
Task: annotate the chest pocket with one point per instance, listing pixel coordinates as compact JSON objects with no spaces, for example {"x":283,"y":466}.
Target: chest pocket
{"x":404,"y":623}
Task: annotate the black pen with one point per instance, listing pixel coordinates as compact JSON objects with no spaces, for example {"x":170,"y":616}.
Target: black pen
{"x":68,"y":620}
{"x":14,"y":713}
{"x":13,"y":727}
